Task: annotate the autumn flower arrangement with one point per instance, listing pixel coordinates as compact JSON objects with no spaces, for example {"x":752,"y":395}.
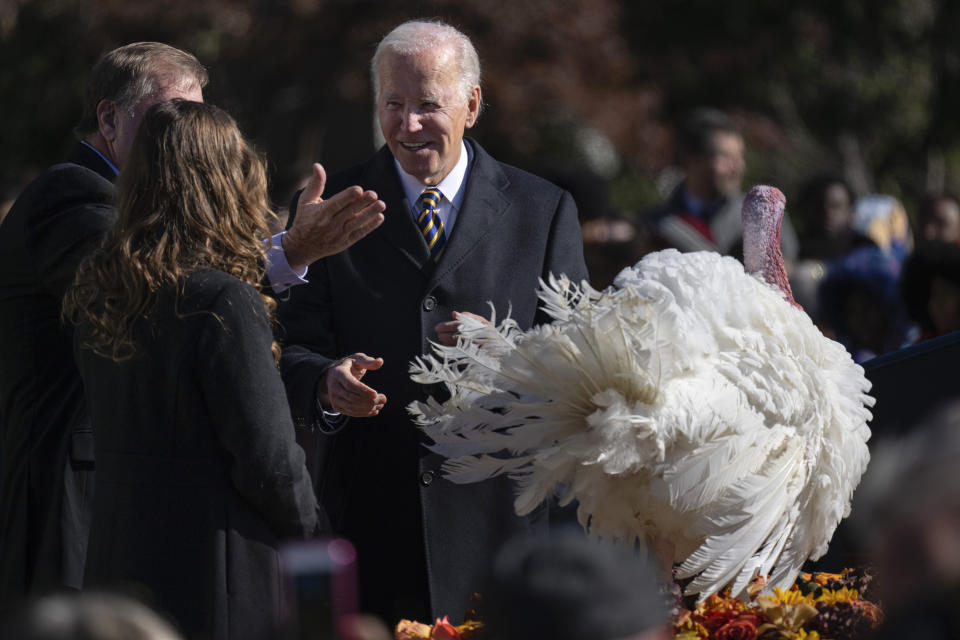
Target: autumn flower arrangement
{"x":442,"y":629}
{"x":819,"y":606}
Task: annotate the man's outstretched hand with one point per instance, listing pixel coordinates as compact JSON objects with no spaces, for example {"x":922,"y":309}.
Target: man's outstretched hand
{"x":340,"y":388}
{"x":322,"y":228}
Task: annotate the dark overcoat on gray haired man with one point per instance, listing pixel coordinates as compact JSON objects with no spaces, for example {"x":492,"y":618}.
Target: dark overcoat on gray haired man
{"x":422,"y":542}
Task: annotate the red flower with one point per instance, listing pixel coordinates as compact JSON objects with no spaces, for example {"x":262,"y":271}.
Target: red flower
{"x":714,"y":620}
{"x":742,"y":628}
{"x":443,"y":630}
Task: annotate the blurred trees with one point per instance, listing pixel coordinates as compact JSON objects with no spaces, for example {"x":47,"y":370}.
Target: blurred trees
{"x":869,"y":89}
{"x":865,"y":88}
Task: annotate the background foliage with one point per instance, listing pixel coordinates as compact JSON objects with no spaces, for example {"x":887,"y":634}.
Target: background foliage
{"x":869,"y":89}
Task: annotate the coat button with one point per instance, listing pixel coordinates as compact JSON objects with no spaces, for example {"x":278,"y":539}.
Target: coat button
{"x":426,"y":478}
{"x":429,"y":303}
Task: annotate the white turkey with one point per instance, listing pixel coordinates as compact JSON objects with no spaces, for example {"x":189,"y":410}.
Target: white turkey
{"x":691,"y":405}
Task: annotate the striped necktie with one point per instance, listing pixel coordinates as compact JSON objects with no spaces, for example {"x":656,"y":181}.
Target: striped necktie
{"x":429,"y":221}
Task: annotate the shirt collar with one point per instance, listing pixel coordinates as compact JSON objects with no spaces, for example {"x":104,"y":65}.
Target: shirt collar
{"x":452,"y":186}
{"x":116,"y":171}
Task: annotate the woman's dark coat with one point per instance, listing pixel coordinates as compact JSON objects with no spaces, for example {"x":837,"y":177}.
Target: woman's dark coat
{"x":198,"y":474}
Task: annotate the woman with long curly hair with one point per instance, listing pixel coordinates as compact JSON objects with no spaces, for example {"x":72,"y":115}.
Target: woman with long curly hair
{"x":199,"y":476}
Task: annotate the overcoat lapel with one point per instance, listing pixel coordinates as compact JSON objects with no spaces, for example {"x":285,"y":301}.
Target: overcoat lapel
{"x":398,"y":230}
{"x":483,"y":207}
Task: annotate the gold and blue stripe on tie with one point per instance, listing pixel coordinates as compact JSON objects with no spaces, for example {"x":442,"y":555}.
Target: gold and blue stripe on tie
{"x":431,"y":226}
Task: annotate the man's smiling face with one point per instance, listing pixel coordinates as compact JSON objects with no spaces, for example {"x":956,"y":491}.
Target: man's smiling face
{"x":423,"y":111}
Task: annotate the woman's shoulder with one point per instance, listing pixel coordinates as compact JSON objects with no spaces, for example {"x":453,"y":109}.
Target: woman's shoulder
{"x":218,"y":291}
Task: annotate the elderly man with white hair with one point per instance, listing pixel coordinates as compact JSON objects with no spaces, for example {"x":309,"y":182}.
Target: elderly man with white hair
{"x":462,"y":230}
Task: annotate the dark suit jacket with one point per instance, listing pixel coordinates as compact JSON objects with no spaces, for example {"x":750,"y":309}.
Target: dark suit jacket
{"x":198,"y":473}
{"x":54,"y":224}
{"x":422,"y":541}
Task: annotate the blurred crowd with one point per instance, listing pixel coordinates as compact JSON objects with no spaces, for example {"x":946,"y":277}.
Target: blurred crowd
{"x":868,"y":273}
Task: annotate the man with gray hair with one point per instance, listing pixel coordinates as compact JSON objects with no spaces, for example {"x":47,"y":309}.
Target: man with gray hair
{"x":462,"y":231}
{"x":45,"y":439}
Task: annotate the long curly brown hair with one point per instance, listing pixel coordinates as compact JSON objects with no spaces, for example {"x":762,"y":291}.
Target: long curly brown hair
{"x":192,"y":196}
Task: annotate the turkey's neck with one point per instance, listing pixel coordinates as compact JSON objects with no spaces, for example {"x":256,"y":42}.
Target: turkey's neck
{"x":762,"y":255}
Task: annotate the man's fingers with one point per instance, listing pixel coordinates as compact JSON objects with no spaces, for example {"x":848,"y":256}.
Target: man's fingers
{"x":359,"y":410}
{"x":339,"y":203}
{"x":354,"y":368}
{"x":350,"y":396}
{"x":349,"y":387}
{"x":363,"y":361}
{"x":447,"y":332}
{"x":362,"y":223}
{"x":362,"y":413}
{"x":355,"y":404}
{"x":362,"y":211}
{"x":313,"y":191}
{"x":448,"y":326}
{"x":467,"y":314}
{"x":356,"y":212}
{"x":361,"y":226}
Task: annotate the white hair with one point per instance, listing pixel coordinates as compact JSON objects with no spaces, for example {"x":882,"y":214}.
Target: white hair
{"x":415,"y":36}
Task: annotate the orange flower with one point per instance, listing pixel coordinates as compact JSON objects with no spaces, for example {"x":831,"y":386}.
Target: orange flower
{"x":411,"y":630}
{"x":443,"y":630}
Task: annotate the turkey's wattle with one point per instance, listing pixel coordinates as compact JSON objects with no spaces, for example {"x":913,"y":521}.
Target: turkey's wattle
{"x":763,"y":209}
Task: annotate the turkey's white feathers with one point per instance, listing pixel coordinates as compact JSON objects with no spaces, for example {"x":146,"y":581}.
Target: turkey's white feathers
{"x":688,"y":403}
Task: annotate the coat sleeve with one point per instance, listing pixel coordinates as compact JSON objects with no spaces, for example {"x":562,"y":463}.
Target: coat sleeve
{"x":245,"y":398}
{"x":564,"y":247}
{"x":309,"y":344}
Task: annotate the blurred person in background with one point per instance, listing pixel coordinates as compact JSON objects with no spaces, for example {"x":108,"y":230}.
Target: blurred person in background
{"x":938,"y":219}
{"x":882,"y":220}
{"x":907,"y":512}
{"x":703,"y":213}
{"x":611,"y":240}
{"x":858,"y":304}
{"x":823,"y":214}
{"x":87,"y":616}
{"x":858,"y":300}
{"x":570,"y":587}
{"x":199,"y":476}
{"x":931,"y":288}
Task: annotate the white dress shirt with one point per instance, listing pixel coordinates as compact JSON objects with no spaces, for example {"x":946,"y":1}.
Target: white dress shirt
{"x":453,"y":187}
